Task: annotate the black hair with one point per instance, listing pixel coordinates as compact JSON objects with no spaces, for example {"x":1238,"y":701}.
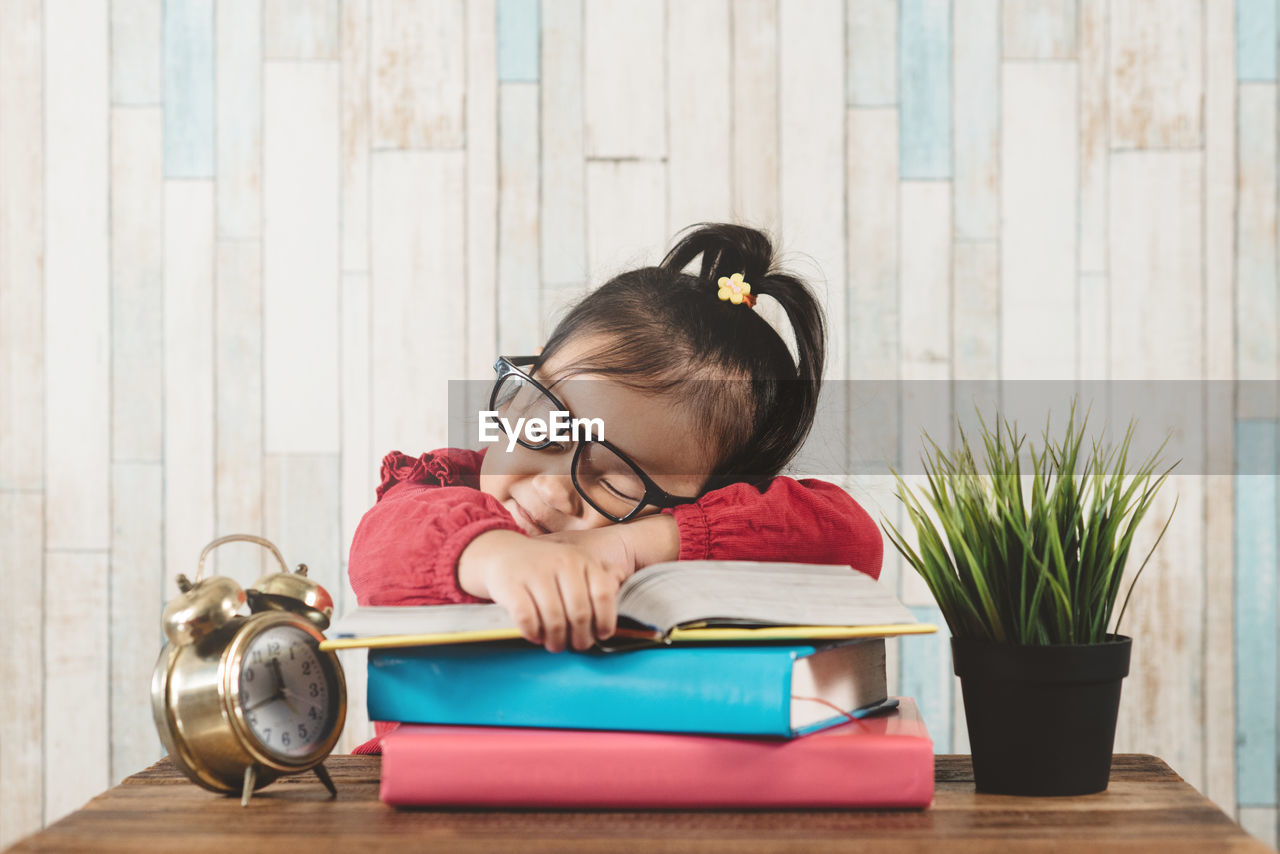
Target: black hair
{"x":668,"y":331}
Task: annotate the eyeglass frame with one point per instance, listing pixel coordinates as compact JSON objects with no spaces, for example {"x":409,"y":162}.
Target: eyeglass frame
{"x":653,"y":494}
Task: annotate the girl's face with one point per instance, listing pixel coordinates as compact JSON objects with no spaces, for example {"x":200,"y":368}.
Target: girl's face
{"x":660,"y":437}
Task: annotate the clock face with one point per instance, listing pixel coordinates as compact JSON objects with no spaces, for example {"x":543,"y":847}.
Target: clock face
{"x":287,"y":692}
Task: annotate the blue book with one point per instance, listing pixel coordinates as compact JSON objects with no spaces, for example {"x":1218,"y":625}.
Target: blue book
{"x":762,"y":690}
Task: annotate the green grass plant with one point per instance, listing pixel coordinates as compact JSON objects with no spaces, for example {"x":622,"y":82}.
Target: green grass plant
{"x":1029,"y":558}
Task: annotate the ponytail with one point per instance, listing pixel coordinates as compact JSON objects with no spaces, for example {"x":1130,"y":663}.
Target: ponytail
{"x":666,"y":328}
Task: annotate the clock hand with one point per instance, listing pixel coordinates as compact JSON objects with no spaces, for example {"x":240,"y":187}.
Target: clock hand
{"x":263,"y":702}
{"x":282,"y":692}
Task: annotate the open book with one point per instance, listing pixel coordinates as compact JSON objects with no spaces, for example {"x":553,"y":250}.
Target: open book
{"x":673,"y":602}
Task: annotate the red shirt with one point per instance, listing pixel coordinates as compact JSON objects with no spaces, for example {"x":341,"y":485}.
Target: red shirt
{"x":406,"y":548}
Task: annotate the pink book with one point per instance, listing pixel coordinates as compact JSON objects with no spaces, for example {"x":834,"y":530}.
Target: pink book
{"x":884,"y":761}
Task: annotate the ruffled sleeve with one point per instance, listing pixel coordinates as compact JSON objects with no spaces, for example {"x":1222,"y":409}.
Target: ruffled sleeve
{"x":803,"y":521}
{"x":406,"y":548}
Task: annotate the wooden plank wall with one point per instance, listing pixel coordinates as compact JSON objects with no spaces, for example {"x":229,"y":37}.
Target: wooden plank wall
{"x":232,"y":235}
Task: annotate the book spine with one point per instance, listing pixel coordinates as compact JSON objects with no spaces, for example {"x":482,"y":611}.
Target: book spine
{"x":599,"y":770}
{"x":727,"y":690}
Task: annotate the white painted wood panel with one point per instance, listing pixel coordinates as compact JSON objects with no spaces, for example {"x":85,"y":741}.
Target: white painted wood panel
{"x":189,"y":419}
{"x":518,"y":236}
{"x":872,"y":238}
{"x":1156,"y":73}
{"x":975,"y":324}
{"x":626,"y":217}
{"x":755,"y":113}
{"x":22,"y":666}
{"x":924,"y":330}
{"x":1260,"y":822}
{"x":356,"y":135}
{"x":137,"y":284}
{"x":135,"y":52}
{"x":301,"y":500}
{"x":76,"y":277}
{"x":300,"y":29}
{"x":418,"y":260}
{"x":357,"y":730}
{"x":138,"y":591}
{"x":699,"y":98}
{"x":238,"y":94}
{"x":1256,"y":328}
{"x":563,"y":198}
{"x":1039,"y":29}
{"x":238,"y":403}
{"x":360,"y":461}
{"x":1158,"y":333}
{"x":925,"y":259}
{"x":812,"y":195}
{"x":1038,"y":198}
{"x":77,"y":741}
{"x":300,"y":263}
{"x":22,"y":246}
{"x":1094,"y":140}
{"x":873,"y":52}
{"x":976,"y":132}
{"x":1219,"y":365}
{"x":418,"y":67}
{"x":482,"y":187}
{"x":623,"y":78}
{"x":1094,"y":344}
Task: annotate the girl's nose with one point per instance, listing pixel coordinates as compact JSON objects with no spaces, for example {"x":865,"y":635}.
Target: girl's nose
{"x":557,"y":491}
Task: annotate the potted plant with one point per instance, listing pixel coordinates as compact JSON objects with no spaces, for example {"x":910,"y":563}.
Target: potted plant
{"x":1026,"y":569}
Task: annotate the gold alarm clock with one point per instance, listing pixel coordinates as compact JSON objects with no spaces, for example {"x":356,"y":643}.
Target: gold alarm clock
{"x":241,"y":700}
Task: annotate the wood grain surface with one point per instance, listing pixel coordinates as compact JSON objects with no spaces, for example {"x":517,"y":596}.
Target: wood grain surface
{"x":1147,"y":808}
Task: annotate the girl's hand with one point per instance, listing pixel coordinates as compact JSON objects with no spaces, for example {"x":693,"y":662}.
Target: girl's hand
{"x":556,"y":592}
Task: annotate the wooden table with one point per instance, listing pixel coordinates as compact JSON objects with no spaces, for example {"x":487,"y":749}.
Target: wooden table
{"x":1147,"y":808}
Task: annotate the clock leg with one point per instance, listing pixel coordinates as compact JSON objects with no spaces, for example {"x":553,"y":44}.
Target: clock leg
{"x":324,"y":778}
{"x":250,"y":777}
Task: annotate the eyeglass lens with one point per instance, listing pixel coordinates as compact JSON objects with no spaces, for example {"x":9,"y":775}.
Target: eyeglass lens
{"x":611,"y":484}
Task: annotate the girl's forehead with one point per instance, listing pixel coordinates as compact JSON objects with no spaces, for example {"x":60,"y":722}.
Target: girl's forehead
{"x":654,"y":429}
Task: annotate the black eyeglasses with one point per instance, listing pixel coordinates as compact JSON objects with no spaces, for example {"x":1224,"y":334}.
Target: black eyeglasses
{"x":603,"y":475}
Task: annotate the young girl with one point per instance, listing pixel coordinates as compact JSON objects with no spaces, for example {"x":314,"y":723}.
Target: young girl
{"x":703,"y":405}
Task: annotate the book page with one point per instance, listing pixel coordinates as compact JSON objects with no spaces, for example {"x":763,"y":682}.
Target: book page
{"x":379,"y":620}
{"x":750,"y":593}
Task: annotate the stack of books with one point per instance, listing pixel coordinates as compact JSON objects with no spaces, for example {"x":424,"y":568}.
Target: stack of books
{"x":728,"y":685}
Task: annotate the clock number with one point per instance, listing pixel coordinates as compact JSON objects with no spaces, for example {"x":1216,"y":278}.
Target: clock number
{"x":306,"y":668}
{"x":302,"y":731}
{"x":248,"y":674}
{"x":315,"y":689}
{"x":284,"y":738}
{"x":266,"y":734}
{"x":315,"y":713}
{"x":292,"y":647}
{"x":257,"y":656}
{"x":275,"y":647}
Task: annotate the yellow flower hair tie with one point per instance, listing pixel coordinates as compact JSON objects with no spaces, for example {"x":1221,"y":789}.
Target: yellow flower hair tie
{"x":736,"y":291}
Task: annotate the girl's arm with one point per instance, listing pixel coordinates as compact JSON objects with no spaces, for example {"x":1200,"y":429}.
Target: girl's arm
{"x":805,"y":521}
{"x":406,"y":548}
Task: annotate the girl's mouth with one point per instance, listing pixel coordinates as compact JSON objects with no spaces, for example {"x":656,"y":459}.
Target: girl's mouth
{"x":531,"y":525}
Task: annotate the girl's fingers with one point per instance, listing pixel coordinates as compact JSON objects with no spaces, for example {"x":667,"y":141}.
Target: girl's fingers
{"x":577,"y":607}
{"x":602,"y":588}
{"x":546,"y":596}
{"x":524,"y":612}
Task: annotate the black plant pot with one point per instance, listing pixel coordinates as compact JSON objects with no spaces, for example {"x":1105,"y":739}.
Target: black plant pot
{"x":1042,"y":719}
